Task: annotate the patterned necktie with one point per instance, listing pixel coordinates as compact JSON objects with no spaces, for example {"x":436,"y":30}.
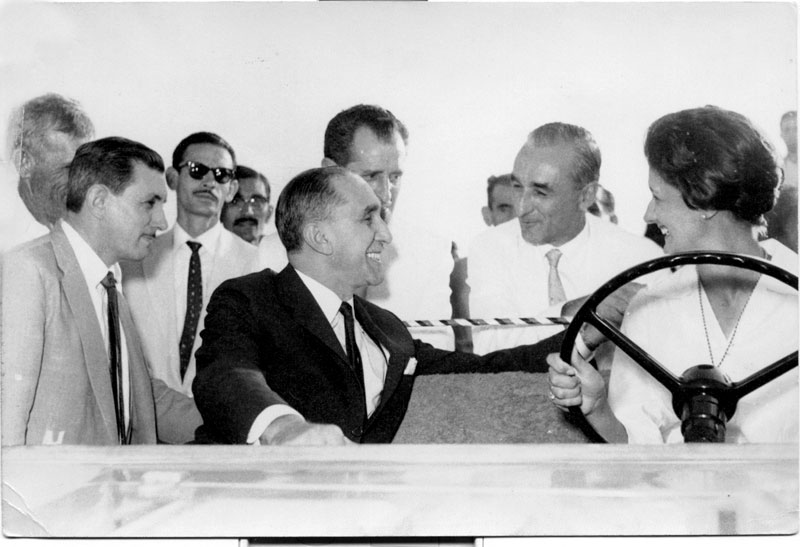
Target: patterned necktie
{"x":194,"y":305}
{"x":350,"y":341}
{"x":555,"y":290}
{"x":115,"y":354}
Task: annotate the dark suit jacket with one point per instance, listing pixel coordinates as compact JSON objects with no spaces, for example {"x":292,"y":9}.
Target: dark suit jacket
{"x":266,"y":342}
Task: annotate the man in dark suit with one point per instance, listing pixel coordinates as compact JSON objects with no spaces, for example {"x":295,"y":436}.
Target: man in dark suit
{"x":281,"y":363}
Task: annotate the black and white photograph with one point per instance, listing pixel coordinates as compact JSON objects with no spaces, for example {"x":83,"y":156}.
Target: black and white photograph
{"x":424,"y":273}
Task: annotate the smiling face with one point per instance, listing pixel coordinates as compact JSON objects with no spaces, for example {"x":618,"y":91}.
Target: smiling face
{"x":133,"y":217}
{"x":202,"y":198}
{"x":378,"y":162}
{"x":356,"y":235}
{"x":683,"y":228}
{"x":552,"y":209}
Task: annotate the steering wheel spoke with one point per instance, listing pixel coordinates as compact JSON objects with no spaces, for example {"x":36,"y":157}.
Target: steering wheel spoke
{"x":695,"y":385}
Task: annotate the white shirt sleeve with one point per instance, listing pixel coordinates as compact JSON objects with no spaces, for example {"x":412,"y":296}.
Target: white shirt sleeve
{"x":265,"y":419}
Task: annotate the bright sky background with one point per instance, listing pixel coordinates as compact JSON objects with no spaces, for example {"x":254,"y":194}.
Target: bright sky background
{"x":469,"y":80}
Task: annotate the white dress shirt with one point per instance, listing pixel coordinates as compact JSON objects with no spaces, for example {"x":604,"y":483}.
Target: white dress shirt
{"x":508,"y":277}
{"x":94,"y":271}
{"x":373,"y":356}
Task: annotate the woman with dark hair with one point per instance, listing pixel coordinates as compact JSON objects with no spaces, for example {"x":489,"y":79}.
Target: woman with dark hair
{"x":712,"y":179}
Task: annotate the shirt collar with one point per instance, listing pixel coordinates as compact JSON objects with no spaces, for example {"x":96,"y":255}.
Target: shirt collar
{"x":328,"y":301}
{"x":208,"y":239}
{"x":92,"y":266}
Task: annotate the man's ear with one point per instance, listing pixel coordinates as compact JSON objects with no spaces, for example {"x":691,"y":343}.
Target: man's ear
{"x":315,"y":237}
{"x":327,"y":162}
{"x":487,"y":215}
{"x":172,"y":178}
{"x":96,"y":200}
{"x":588,"y":195}
{"x":233,"y":187}
{"x":22,"y":162}
{"x":268,"y":216}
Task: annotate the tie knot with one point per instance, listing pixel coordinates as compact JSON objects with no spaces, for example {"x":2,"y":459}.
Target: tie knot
{"x":553,"y":256}
{"x":194,"y":245}
{"x":109,"y":281}
{"x":346,"y":310}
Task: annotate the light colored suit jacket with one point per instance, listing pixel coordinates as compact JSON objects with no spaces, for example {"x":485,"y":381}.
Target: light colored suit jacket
{"x":56,"y":387}
{"x":149,"y":286}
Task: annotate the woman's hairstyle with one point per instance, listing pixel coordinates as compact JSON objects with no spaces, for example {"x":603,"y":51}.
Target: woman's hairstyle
{"x":718,"y":161}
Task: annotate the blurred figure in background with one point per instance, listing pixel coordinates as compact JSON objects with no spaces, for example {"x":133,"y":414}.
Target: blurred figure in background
{"x":603,"y":205}
{"x":43,"y":135}
{"x":782,"y":220}
{"x":502,"y":198}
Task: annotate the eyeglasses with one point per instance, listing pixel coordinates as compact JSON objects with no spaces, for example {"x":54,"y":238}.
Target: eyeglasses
{"x":198,"y":171}
{"x":256,"y":202}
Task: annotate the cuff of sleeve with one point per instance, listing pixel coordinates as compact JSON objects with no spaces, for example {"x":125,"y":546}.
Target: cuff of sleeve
{"x":263,"y":421}
{"x":582,"y":349}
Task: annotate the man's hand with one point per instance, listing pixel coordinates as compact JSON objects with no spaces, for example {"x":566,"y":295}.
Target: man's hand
{"x":294,"y":430}
{"x":612,"y":309}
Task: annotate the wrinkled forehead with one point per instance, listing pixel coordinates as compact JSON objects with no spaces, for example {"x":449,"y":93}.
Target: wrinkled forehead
{"x":354,"y":193}
{"x":550,"y":164}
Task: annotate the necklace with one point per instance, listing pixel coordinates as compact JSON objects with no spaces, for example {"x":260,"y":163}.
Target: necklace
{"x":735,"y":326}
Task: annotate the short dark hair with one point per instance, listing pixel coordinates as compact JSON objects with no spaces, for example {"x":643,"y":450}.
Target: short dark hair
{"x":717,"y":159}
{"x":244,"y":172}
{"x":50,"y":112}
{"x":587,"y":161}
{"x":493,"y":181}
{"x":308,"y":197}
{"x":342,"y":128}
{"x":109,"y":161}
{"x":202,"y":137}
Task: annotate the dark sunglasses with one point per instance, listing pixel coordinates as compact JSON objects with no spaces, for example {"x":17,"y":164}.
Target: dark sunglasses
{"x":197,"y":171}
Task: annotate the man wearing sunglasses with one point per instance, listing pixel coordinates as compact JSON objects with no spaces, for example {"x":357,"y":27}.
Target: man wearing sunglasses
{"x":249,"y":211}
{"x":168,"y":291}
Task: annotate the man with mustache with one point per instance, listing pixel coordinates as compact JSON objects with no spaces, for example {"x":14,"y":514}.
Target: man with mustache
{"x":169,"y":289}
{"x":248,"y":212}
{"x":73,"y":368}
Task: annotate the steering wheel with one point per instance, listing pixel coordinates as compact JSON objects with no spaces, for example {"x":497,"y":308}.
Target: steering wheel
{"x":702,"y":396}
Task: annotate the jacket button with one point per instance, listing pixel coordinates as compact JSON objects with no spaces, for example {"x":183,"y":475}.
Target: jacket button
{"x":357,"y":431}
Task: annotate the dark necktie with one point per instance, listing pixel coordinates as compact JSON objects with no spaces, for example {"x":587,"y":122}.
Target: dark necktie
{"x":350,"y":341}
{"x":115,"y":353}
{"x":194,"y":305}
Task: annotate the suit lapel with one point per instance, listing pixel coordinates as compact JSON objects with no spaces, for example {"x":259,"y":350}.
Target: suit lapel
{"x":141,"y":400}
{"x":89,"y":330}
{"x":296,"y":297}
{"x":399,"y":353}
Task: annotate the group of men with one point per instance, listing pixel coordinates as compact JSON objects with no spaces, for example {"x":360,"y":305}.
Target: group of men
{"x":118,"y":329}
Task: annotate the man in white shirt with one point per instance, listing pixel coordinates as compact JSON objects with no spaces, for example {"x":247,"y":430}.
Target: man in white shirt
{"x":297,"y":357}
{"x":72,"y":363}
{"x":555,"y":252}
{"x":43,"y":134}
{"x":168,"y":290}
